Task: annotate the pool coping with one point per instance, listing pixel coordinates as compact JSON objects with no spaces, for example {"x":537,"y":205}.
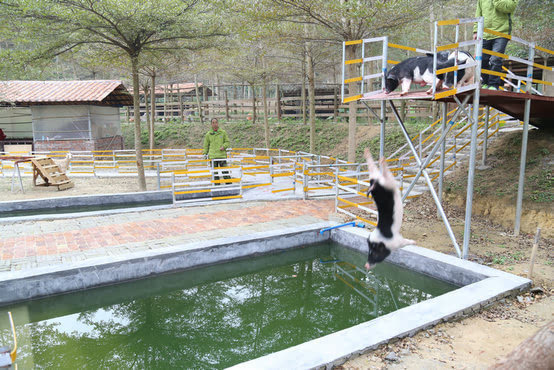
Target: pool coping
{"x":23,"y":285}
{"x":482,"y":286}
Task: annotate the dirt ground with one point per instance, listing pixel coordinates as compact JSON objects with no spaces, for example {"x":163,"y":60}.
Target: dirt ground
{"x":479,"y":341}
{"x":83,"y":186}
{"x":472,"y":343}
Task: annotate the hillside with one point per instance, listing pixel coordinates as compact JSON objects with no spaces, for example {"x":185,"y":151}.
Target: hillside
{"x":331,"y":138}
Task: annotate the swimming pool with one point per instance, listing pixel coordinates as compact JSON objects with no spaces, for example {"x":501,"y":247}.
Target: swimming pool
{"x":478,"y":286}
{"x":216,"y":316}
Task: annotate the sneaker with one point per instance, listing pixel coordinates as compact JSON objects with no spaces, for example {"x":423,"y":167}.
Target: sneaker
{"x":485,"y":86}
{"x":492,"y":88}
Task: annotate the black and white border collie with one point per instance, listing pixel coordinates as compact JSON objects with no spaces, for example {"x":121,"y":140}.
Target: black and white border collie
{"x":386,"y":194}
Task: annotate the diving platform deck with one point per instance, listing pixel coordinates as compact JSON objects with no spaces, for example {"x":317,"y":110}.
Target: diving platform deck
{"x":512,"y":103}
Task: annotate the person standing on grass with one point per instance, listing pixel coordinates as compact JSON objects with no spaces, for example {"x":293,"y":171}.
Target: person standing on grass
{"x":216,"y":143}
{"x":497,"y":16}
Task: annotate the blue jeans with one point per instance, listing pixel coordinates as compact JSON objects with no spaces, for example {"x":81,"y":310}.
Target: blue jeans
{"x":492,"y":62}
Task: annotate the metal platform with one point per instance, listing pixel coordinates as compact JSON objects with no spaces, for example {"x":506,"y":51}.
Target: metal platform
{"x":512,"y":103}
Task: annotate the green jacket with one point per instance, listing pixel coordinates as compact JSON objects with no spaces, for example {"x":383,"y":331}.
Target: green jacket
{"x":497,"y":16}
{"x":213,"y":141}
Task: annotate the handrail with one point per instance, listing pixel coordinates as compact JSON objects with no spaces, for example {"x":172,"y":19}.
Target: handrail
{"x":353,"y":223}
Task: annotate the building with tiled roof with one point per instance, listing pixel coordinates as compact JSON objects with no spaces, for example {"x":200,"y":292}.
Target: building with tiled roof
{"x":63,"y":115}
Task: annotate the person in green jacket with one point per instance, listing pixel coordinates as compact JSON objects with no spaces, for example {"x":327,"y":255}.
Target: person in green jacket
{"x":497,"y":16}
{"x":216,"y":143}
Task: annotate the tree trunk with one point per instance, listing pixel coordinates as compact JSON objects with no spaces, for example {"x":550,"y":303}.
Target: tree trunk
{"x":266,"y":121}
{"x":403,"y":110}
{"x":165,"y":103}
{"x":253,"y":103}
{"x":303,"y":92}
{"x":278,"y":100}
{"x":136,"y":107}
{"x":205,"y":100}
{"x":226,"y":105}
{"x":146,"y":108}
{"x":180,"y":103}
{"x":153,"y":109}
{"x":311,"y":96}
{"x":534,"y":352}
{"x":335,"y":104}
{"x":352,"y":106}
{"x":199,"y":105}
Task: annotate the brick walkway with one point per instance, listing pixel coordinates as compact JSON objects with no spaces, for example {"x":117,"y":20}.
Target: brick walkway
{"x":31,"y":244}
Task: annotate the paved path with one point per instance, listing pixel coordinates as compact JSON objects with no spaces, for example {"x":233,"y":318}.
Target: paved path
{"x":31,"y":244}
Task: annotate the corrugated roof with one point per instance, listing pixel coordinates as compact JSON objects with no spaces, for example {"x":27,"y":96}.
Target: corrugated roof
{"x":103,"y":92}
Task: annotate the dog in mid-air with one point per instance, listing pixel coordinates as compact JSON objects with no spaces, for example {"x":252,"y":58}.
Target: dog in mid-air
{"x":419,"y":70}
{"x":386,"y":194}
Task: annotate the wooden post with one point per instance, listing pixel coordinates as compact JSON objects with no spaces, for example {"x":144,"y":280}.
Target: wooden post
{"x":226,"y":105}
{"x":534,"y":253}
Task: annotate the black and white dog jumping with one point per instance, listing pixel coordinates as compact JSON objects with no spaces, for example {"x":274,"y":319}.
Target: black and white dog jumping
{"x":419,"y":70}
{"x":386,"y":194}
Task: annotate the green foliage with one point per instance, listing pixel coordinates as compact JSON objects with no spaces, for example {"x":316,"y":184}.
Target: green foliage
{"x":290,"y":135}
{"x":394,"y":138}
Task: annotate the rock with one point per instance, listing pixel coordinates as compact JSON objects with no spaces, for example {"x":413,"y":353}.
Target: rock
{"x":405,"y":352}
{"x":537,"y":290}
{"x":520,"y":299}
{"x":392,"y":356}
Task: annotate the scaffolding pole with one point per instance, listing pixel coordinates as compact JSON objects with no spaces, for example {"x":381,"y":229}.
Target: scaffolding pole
{"x":473,"y":149}
{"x":524,"y":137}
{"x":427,"y":179}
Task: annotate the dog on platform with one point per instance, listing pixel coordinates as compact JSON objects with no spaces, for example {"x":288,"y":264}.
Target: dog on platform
{"x":386,"y":194}
{"x":419,"y":70}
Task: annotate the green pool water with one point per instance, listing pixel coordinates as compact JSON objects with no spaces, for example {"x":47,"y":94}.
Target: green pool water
{"x":212,"y":317}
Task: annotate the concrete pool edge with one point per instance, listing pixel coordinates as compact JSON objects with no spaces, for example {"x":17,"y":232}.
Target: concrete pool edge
{"x":484,"y":286}
{"x":490,"y":285}
{"x":41,"y":282}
